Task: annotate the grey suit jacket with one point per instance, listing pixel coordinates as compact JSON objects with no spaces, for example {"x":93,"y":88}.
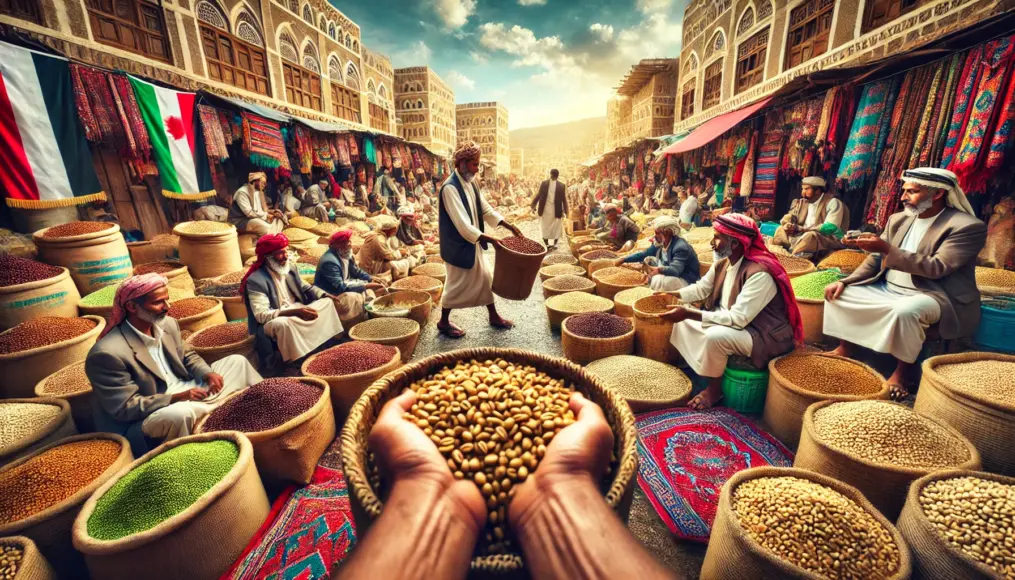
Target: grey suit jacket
{"x":944,"y":266}
{"x":127,"y":382}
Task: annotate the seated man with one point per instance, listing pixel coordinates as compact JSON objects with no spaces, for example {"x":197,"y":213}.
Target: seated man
{"x":338,"y":275}
{"x":315,"y":202}
{"x":620,"y":231}
{"x":375,"y":205}
{"x":749,"y":308}
{"x":675,"y":264}
{"x":382,"y":253}
{"x":146,"y":380}
{"x":284,"y":309}
{"x":688,"y":208}
{"x":921,"y":271}
{"x":814,"y":223}
{"x":409,"y":233}
{"x":248,"y":212}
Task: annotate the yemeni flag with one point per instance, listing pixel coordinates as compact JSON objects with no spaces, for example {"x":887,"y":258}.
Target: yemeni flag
{"x":177,"y":141}
{"x":44,"y":158}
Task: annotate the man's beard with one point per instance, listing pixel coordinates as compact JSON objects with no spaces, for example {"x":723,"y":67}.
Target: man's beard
{"x":915,"y":210}
{"x":277,"y":267}
{"x":150,"y":318}
{"x":468,"y":176}
{"x":721,"y":254}
{"x":345,"y":254}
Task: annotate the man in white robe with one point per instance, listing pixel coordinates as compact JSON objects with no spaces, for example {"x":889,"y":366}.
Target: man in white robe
{"x":248,"y":212}
{"x":815,"y":223}
{"x":550,"y":204}
{"x":463,"y":216}
{"x":921,"y":272}
{"x":688,"y":208}
{"x":315,"y":202}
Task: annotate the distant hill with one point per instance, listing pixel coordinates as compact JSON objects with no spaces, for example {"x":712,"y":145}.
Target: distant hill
{"x":563,"y":134}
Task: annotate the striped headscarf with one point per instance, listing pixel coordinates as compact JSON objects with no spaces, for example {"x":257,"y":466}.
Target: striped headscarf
{"x":940,"y":179}
{"x":131,"y":289}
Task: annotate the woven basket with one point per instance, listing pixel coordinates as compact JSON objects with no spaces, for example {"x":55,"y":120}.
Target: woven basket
{"x":557,"y":316}
{"x":617,"y":373}
{"x":652,"y":333}
{"x":883,"y":484}
{"x":584,"y":260}
{"x":419,"y":305}
{"x":366,"y":505}
{"x":56,"y":296}
{"x":623,"y":301}
{"x":179,"y":277}
{"x":933,"y":556}
{"x":50,"y":529}
{"x":290,"y":452}
{"x":80,"y":402}
{"x":212,"y":317}
{"x":734,"y":555}
{"x":514,"y":273}
{"x":435,"y":271}
{"x":812,"y":316}
{"x":199,"y":543}
{"x":987,"y":281}
{"x":575,"y":241}
{"x":990,"y":425}
{"x":60,"y":426}
{"x":554,"y":259}
{"x":610,"y":289}
{"x":21,"y":371}
{"x":391,"y":331}
{"x":211,"y":354}
{"x":33,"y":565}
{"x":786,"y":403}
{"x":545,"y":273}
{"x":596,"y":265}
{"x":796,"y":266}
{"x":432,"y":286}
{"x":434,"y":260}
{"x":550,"y":288}
{"x":839,"y":259}
{"x":583,"y":350}
{"x":345,"y":389}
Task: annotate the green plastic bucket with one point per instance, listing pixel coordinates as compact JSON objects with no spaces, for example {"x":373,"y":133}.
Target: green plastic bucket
{"x":744,"y":390}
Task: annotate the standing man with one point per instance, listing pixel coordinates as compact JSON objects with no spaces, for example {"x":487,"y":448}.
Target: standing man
{"x":815,"y":223}
{"x":248,"y":212}
{"x":386,"y":189}
{"x":463,"y":217}
{"x":551,"y":207}
{"x":315,"y":202}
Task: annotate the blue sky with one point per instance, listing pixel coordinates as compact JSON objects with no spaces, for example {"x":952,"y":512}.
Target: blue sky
{"x":548,"y":61}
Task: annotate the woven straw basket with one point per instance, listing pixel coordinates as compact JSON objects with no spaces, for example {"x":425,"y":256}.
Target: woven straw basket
{"x":21,"y":371}
{"x":575,"y":270}
{"x":345,"y":389}
{"x":514,"y":273}
{"x":33,"y":564}
{"x":366,"y":505}
{"x":575,"y":241}
{"x":652,"y":333}
{"x":796,"y":266}
{"x":435,"y":271}
{"x":199,"y":543}
{"x":990,"y":425}
{"x":883,"y":484}
{"x":234,"y":307}
{"x":933,"y":556}
{"x":554,"y":259}
{"x":596,"y":265}
{"x":734,"y":555}
{"x":56,"y":296}
{"x":786,"y":403}
{"x":588,"y":246}
{"x":290,"y":452}
{"x":583,"y":350}
{"x":584,"y":260}
{"x":50,"y":529}
{"x":812,"y":315}
{"x":211,"y":317}
{"x":59,"y":427}
{"x":663,"y":374}
{"x":405,"y":339}
{"x":623,"y":302}
{"x":608,"y":289}
{"x":434,"y":287}
{"x":549,"y":290}
{"x":421,"y":305}
{"x":556,"y":317}
{"x":211,"y":354}
{"x":80,"y":402}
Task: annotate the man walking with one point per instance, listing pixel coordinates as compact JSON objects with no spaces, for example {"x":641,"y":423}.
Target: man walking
{"x":551,"y":207}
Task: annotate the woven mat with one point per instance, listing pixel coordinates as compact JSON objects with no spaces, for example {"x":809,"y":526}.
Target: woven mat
{"x":686,"y":456}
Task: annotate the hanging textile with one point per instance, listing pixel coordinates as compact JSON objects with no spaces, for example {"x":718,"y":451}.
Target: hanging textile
{"x":1001,"y":141}
{"x":794,"y":154}
{"x":963,"y":104}
{"x":369,"y":153}
{"x":139,"y":145}
{"x":214,"y":140}
{"x":931,"y":155}
{"x":766,"y":173}
{"x":342,"y":148}
{"x":263,"y":143}
{"x":923,"y":127}
{"x":227,"y":129}
{"x":354,"y":149}
{"x":321,"y":152}
{"x":866,"y":136}
{"x":303,"y":147}
{"x":747,"y":179}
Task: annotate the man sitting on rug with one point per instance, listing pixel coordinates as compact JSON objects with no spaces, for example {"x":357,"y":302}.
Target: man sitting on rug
{"x":146,"y":381}
{"x":248,"y":212}
{"x":620,"y":231}
{"x":815,"y":223}
{"x":674,"y":264}
{"x":749,"y":308}
{"x":382,"y":252}
{"x":409,"y":233}
{"x":315,"y":202}
{"x":921,"y":271}
{"x":289,"y":317}
{"x":338,"y":275}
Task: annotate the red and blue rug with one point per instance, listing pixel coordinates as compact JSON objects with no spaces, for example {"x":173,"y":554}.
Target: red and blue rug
{"x":686,"y":456}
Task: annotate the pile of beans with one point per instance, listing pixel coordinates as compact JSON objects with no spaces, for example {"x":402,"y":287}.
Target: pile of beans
{"x":188,"y":307}
{"x":298,"y":235}
{"x":160,"y":488}
{"x":989,"y":379}
{"x":430,"y":270}
{"x":642,"y":379}
{"x":319,"y":250}
{"x":553,"y":259}
{"x":303,"y":222}
{"x":562,"y":270}
{"x":221,"y":335}
{"x":52,"y":476}
{"x":42,"y":331}
{"x":816,"y":528}
{"x":203,"y":227}
{"x":995,"y":277}
{"x":598,"y":325}
{"x":794,"y":264}
{"x":264,"y":406}
{"x":600,"y":255}
{"x":812,"y":286}
{"x":15,"y":271}
{"x":844,"y":260}
{"x":568,"y":282}
{"x":381,"y":328}
{"x":578,"y":302}
{"x":656,"y":304}
{"x":885,"y":433}
{"x":620,"y":276}
{"x":522,"y":245}
{"x":976,"y":516}
{"x":312,"y":260}
{"x":19,"y":421}
{"x":350,"y":358}
{"x":72,"y":229}
{"x":416,"y":283}
{"x":221,"y":290}
{"x":492,"y":421}
{"x":631,"y":295}
{"x":828,"y":375}
{"x":157,"y":268}
{"x":69,"y":380}
{"x":324,"y":229}
{"x":232,"y":277}
{"x":10,"y":561}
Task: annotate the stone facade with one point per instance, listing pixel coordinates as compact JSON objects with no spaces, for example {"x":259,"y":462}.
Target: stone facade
{"x":380,"y":90}
{"x":487,"y":124}
{"x":425,"y":107}
{"x":517,"y":161}
{"x":643,"y":104}
{"x":776,"y":41}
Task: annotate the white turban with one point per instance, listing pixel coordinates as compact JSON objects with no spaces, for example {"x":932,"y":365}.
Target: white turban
{"x":256,"y":176}
{"x":815,"y":181}
{"x":404,"y":210}
{"x":940,"y":179}
{"x":667,"y":223}
{"x":323,"y":183}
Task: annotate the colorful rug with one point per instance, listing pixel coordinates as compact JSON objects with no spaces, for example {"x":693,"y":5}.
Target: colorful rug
{"x":686,"y":456}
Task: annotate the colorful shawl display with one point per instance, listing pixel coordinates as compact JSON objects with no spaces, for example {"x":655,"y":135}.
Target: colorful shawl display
{"x":747,"y":179}
{"x":766,"y":174}
{"x":303,"y":147}
{"x":867,"y":136}
{"x":110,"y":115}
{"x":931,"y":154}
{"x":963,"y":101}
{"x":263,"y":144}
{"x":214,"y":139}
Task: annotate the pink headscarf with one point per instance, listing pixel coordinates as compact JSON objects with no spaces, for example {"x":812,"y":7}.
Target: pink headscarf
{"x":131,"y":289}
{"x":744,"y":230}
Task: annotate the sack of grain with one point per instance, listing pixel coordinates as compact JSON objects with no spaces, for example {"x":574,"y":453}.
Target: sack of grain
{"x":880,"y":448}
{"x":28,"y":424}
{"x":196,"y":313}
{"x":30,"y":289}
{"x":563,"y":305}
{"x":595,"y":335}
{"x":610,"y":281}
{"x":176,"y":272}
{"x":215,"y":343}
{"x":71,"y":384}
{"x":399,"y":332}
{"x":94,"y":252}
{"x":209,"y":249}
{"x":349,"y":369}
{"x":645,"y":384}
{"x":33,"y":350}
{"x":208,"y":481}
{"x":974,"y":392}
{"x":766,"y":526}
{"x":21,"y":558}
{"x":568,"y":283}
{"x":653,"y":333}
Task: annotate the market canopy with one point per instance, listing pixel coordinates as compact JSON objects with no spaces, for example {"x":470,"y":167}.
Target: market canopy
{"x":713,"y":128}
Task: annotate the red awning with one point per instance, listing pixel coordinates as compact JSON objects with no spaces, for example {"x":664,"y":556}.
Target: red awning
{"x":711,"y":129}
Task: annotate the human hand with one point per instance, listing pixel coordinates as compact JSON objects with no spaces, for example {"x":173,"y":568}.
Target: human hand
{"x":872,"y":244}
{"x":374,"y":286}
{"x":653,"y":272}
{"x":834,"y":290}
{"x":791,"y":229}
{"x":308,"y":314}
{"x":189,"y":395}
{"x":678,"y":314}
{"x":214,"y":382}
{"x":514,"y":229}
{"x":485,"y":238}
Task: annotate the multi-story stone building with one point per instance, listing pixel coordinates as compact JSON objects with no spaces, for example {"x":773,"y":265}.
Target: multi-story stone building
{"x":738,"y":51}
{"x":303,"y":57}
{"x":487,"y":124}
{"x":380,"y":90}
{"x":517,"y":161}
{"x":643,"y":103}
{"x":425,"y":105}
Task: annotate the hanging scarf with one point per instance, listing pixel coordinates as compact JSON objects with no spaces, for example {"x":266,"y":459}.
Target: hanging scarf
{"x":211,"y":128}
{"x":926,"y":118}
{"x":931,"y":154}
{"x":860,"y":159}
{"x":342,"y":149}
{"x":369,"y":153}
{"x":747,"y":178}
{"x":963,"y":104}
{"x":808,"y":138}
{"x":263,"y":143}
{"x":1002,"y":135}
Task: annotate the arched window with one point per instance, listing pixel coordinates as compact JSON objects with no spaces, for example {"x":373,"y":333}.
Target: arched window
{"x":310,"y":58}
{"x":344,"y":101}
{"x":331,"y":30}
{"x":322,"y":24}
{"x":248,"y":29}
{"x":209,"y":13}
{"x":355,"y":45}
{"x":302,"y":85}
{"x":382,"y":92}
{"x":308,"y":14}
{"x":233,"y":60}
{"x":351,"y":77}
{"x":419,"y":104}
{"x":406,"y":104}
{"x":138,"y":26}
{"x":717,"y":44}
{"x":287,"y":47}
{"x":335,"y":69}
{"x":746,"y":21}
{"x":348,"y":41}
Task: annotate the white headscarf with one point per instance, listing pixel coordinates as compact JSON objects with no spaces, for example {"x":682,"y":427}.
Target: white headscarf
{"x":940,"y":179}
{"x":667,"y":223}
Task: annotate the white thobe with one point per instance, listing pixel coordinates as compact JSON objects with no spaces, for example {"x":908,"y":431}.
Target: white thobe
{"x":550,"y":226}
{"x":295,"y":337}
{"x":688,"y":209}
{"x":314,"y":199}
{"x":707,"y":345}
{"x":890,"y":315}
{"x":465,"y":288}
{"x":249,"y":201}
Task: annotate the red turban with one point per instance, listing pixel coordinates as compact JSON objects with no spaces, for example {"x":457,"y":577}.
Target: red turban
{"x":745,"y":231}
{"x":267,"y":245}
{"x":340,"y":236}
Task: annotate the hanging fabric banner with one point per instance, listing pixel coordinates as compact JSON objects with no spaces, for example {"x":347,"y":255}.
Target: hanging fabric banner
{"x":44,"y":156}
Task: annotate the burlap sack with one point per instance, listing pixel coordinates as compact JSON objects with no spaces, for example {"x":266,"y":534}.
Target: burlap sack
{"x":56,"y":296}
{"x":58,"y":427}
{"x":199,"y":543}
{"x":345,"y":389}
{"x":33,"y":564}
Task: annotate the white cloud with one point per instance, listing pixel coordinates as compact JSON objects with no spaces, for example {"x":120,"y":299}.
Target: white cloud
{"x":455,"y":13}
{"x":652,"y":6}
{"x":460,"y":81}
{"x":479,"y":57}
{"x":531,"y":2}
{"x":416,"y":54}
{"x":604,"y":32}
